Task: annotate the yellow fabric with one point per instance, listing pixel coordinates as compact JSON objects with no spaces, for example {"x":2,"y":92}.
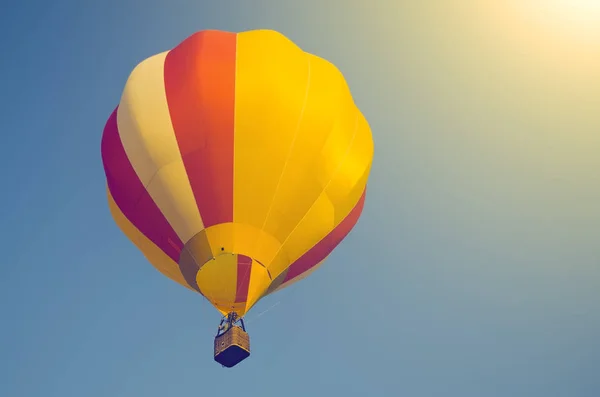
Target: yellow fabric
{"x":217,"y":280}
{"x":302,"y":148}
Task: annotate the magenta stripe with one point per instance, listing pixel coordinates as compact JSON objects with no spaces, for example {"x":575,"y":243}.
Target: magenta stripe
{"x":131,"y":196}
{"x":324,"y":247}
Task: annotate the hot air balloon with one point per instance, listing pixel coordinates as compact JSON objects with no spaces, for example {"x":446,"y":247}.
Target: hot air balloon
{"x":236,"y":163}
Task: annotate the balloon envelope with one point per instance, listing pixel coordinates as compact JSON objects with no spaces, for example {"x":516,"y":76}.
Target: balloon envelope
{"x":236,"y":163}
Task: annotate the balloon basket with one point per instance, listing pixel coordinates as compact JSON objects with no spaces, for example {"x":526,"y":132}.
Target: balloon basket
{"x":232,"y":346}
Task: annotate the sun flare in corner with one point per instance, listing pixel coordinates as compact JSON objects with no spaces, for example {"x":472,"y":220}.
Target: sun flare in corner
{"x":580,"y":18}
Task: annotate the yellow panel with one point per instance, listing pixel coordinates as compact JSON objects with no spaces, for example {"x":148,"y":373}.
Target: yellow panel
{"x":340,"y":194}
{"x":272,"y":82}
{"x":295,"y":122}
{"x":350,"y":180}
{"x":153,"y":254}
{"x":150,"y":143}
{"x":316,"y":224}
{"x":240,"y":239}
{"x":259,"y":282}
{"x":217,"y":280}
{"x":329,"y":116}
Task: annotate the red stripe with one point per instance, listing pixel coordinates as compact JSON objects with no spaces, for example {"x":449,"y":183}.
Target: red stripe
{"x":244,"y":268}
{"x":130,"y":195}
{"x":200,"y":88}
{"x":324,"y":247}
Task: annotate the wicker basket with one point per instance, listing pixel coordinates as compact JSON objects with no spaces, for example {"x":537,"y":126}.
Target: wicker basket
{"x":232,"y":347}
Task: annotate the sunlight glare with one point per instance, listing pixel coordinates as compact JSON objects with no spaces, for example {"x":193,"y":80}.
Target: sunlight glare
{"x":580,"y":18}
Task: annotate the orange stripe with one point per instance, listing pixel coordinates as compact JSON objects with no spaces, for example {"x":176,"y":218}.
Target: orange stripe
{"x":200,"y":88}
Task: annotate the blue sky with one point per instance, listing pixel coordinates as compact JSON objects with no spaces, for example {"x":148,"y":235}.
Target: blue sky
{"x":474,"y":270}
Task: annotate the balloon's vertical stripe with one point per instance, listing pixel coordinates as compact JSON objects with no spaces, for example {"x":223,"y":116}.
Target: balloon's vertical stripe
{"x":271,"y":134}
{"x":131,"y":197}
{"x":244,"y":267}
{"x":200,"y":86}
